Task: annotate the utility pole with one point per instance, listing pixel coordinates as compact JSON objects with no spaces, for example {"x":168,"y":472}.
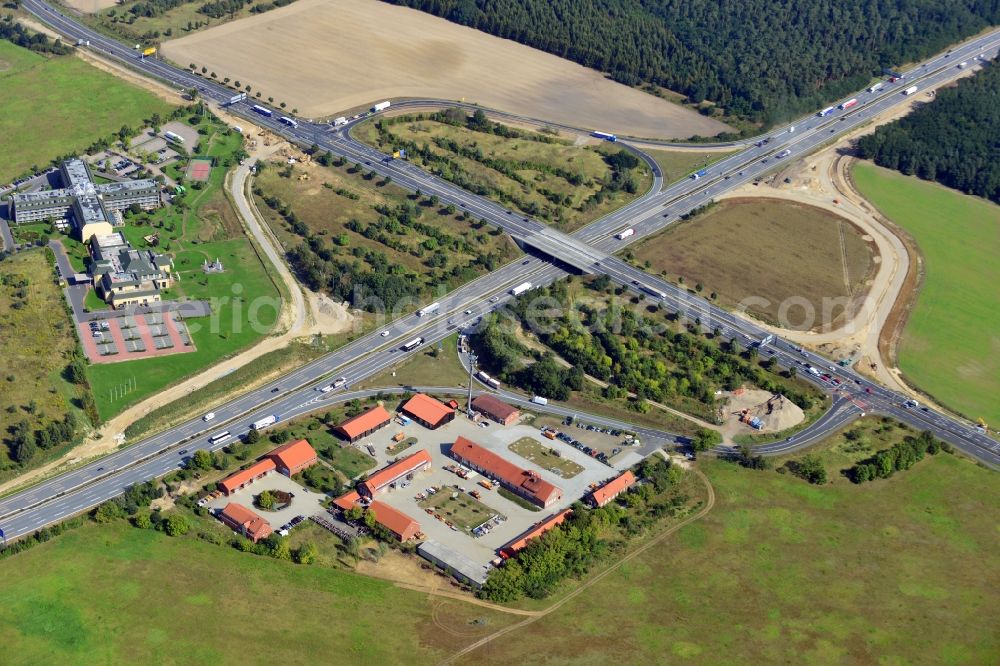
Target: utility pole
{"x":472,"y":369}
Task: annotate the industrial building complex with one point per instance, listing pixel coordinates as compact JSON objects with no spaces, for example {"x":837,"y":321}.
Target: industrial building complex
{"x":92,"y":208}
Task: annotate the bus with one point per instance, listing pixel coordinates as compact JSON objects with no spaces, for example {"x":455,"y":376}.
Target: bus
{"x":412,"y":344}
{"x":288,"y":121}
{"x":176,"y":138}
{"x":219,"y":438}
{"x":257,"y":108}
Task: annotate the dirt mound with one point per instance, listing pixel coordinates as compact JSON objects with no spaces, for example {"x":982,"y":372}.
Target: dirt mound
{"x":774,"y":411}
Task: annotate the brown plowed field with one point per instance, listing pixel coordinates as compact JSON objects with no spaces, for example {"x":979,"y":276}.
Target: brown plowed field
{"x":327,"y":56}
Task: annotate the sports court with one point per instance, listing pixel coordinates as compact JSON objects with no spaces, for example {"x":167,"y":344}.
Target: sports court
{"x":199,"y":170}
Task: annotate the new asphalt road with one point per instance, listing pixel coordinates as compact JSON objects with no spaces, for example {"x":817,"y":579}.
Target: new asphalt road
{"x":590,"y":249}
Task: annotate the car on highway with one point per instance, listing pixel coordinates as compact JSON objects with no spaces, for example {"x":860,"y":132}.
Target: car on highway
{"x":182,"y":452}
{"x":208,"y":417}
{"x":385,"y":334}
{"x":494,"y":299}
{"x":468,"y":312}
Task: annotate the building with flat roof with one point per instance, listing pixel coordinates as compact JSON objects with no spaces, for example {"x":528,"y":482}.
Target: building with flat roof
{"x":526,"y":483}
{"x":519,"y":543}
{"x":397,"y":522}
{"x":612,"y":489}
{"x":293,"y":457}
{"x":125,"y":276}
{"x":246,"y":522}
{"x":364,"y":424}
{"x":428,"y":412}
{"x":90,"y":206}
{"x":386,"y":476}
{"x":245,"y":477}
{"x":495,"y":409}
{"x":454,"y":562}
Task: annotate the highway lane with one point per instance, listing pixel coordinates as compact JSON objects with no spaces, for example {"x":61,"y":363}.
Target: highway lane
{"x":518,"y":227}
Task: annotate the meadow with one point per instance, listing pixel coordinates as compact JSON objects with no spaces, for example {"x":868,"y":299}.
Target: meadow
{"x":732,"y":250}
{"x":104,"y":594}
{"x":950,"y":345}
{"x":55,"y":106}
{"x":896,"y":571}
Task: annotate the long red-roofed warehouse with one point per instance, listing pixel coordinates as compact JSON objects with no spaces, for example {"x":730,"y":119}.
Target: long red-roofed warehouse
{"x":245,"y":477}
{"x":535,"y":531}
{"x":293,"y":457}
{"x":496,"y":409}
{"x":397,"y":522}
{"x":245,"y":521}
{"x":428,"y":412}
{"x":613,"y":489}
{"x":387,"y":475}
{"x":525,"y":483}
{"x":364,"y":424}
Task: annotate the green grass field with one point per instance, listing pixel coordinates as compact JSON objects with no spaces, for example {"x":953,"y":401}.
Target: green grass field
{"x":52,"y":107}
{"x":546,"y":457}
{"x":951,"y":344}
{"x":426,"y":368}
{"x":114,"y":595}
{"x":898,"y":571}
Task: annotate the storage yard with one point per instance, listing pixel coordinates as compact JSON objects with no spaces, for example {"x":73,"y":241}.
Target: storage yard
{"x":326,"y":56}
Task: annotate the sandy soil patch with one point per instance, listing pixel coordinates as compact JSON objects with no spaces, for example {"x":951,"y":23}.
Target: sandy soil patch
{"x":326,"y":56}
{"x":90,"y":6}
{"x":776,"y":412}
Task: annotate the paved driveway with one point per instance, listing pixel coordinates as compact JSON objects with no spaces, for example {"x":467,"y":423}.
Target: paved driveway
{"x":305,"y":503}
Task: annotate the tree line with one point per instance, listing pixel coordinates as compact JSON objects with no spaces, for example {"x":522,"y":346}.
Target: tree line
{"x":587,"y":536}
{"x":952,"y":140}
{"x":17,"y":34}
{"x":757,"y":59}
{"x":897,"y":458}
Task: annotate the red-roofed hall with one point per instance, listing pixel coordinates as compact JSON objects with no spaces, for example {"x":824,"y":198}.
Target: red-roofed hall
{"x":428,"y":412}
{"x":409,"y":465}
{"x":524,"y":482}
{"x":245,"y":477}
{"x":245,"y":521}
{"x":613,"y":489}
{"x":364,"y":424}
{"x":535,"y":531}
{"x":397,"y":522}
{"x":293,"y":457}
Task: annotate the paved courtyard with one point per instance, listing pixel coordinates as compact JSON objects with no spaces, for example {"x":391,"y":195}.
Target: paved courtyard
{"x":305,"y":503}
{"x":496,"y":438}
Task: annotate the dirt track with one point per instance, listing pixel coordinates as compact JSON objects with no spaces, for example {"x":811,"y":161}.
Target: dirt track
{"x":328,"y":56}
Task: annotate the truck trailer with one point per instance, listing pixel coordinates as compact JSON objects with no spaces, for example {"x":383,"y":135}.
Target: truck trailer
{"x":825,"y":112}
{"x":337,"y":122}
{"x":381,"y":106}
{"x":910,"y":90}
{"x":264,"y":422}
{"x":622,"y":235}
{"x":288,"y":121}
{"x":264,"y":111}
{"x":430,"y":309}
{"x":604,"y":135}
{"x":236,"y":99}
{"x":176,"y":138}
{"x":849,"y":103}
{"x":699,"y":174}
{"x":878,"y":86}
{"x":520,"y":289}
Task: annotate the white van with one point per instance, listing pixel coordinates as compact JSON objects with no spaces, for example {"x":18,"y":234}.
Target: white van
{"x":208,"y":417}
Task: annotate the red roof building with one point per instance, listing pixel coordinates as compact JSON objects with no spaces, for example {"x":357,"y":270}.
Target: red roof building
{"x":246,"y":522}
{"x":525,"y":483}
{"x":347,"y":500}
{"x":397,"y":522}
{"x":409,"y":465}
{"x":364,"y":424}
{"x":293,"y":457}
{"x":496,"y":409}
{"x":243,"y":478}
{"x":428,"y":412}
{"x":537,"y":530}
{"x":613,"y":489}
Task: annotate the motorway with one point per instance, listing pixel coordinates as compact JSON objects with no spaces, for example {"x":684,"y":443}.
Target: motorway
{"x":590,"y":250}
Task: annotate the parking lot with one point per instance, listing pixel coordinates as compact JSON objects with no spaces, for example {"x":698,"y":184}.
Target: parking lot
{"x":128,"y":337}
{"x":305,"y":502}
{"x":437,"y":486}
